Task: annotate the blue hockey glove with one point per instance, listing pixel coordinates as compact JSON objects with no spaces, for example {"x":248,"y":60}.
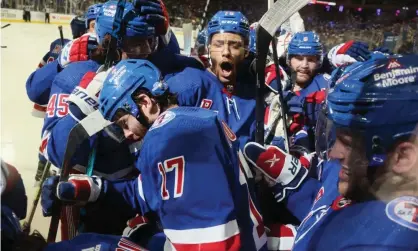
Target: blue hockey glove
{"x":155,"y":13}
{"x":48,"y":198}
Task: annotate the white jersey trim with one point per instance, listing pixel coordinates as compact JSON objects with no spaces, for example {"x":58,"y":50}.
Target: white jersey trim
{"x":203,"y":235}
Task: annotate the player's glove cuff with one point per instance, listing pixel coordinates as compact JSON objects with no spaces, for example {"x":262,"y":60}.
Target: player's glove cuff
{"x":80,"y":188}
{"x":280,"y":192}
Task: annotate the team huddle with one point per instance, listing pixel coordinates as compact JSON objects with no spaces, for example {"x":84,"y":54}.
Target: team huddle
{"x":178,"y":167}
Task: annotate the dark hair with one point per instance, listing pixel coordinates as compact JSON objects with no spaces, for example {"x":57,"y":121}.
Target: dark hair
{"x":99,"y":54}
{"x":165,"y":100}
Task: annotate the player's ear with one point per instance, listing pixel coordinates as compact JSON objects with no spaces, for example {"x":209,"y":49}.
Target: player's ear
{"x":246,"y":52}
{"x":143,"y":100}
{"x":405,"y":157}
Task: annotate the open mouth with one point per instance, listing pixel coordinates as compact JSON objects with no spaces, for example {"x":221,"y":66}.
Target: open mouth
{"x":226,"y":68}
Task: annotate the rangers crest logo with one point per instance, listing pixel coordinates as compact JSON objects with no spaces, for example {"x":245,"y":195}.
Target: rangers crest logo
{"x":163,"y":119}
{"x":404,"y":211}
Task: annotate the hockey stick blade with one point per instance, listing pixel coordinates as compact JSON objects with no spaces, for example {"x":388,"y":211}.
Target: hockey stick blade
{"x":86,"y":128}
{"x":281,"y":11}
{"x":5,"y":26}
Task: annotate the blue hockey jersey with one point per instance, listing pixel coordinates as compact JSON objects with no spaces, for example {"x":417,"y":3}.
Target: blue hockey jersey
{"x":304,"y":116}
{"x":38,"y":85}
{"x":54,"y":50}
{"x":96,"y":242}
{"x":372,"y":225}
{"x":192,"y":176}
{"x":314,"y":200}
{"x":113,"y":159}
{"x":201,"y":88}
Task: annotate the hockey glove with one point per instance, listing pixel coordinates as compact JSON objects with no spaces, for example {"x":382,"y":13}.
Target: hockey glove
{"x":140,"y":230}
{"x":78,"y":50}
{"x":84,"y":98}
{"x":79,"y":189}
{"x":155,"y":12}
{"x":348,"y":53}
{"x":281,"y":170}
{"x":48,"y":198}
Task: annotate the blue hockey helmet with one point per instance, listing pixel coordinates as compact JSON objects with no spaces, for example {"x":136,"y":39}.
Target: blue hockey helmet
{"x":78,"y":27}
{"x":105,"y":17}
{"x":229,"y":22}
{"x":379,"y":100}
{"x":305,"y":43}
{"x":122,"y":82}
{"x":92,"y":12}
{"x":253,"y":37}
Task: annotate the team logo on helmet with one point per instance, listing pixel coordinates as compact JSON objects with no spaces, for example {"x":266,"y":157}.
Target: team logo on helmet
{"x":305,"y":39}
{"x":393,"y":63}
{"x":404,"y":211}
{"x":159,"y":86}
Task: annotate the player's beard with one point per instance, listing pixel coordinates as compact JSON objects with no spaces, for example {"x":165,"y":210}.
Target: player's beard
{"x":359,"y":187}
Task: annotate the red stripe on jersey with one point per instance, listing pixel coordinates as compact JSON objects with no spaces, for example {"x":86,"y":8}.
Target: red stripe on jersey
{"x":43,"y":145}
{"x":231,"y":244}
{"x":39,"y":107}
{"x":87,"y":78}
{"x":280,"y":230}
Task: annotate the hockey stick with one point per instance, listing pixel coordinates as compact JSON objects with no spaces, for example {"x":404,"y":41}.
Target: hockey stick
{"x":61,"y":36}
{"x":5,"y":26}
{"x":268,"y":25}
{"x":27,"y":224}
{"x":283,"y":110}
{"x":86,"y":128}
{"x":205,"y":12}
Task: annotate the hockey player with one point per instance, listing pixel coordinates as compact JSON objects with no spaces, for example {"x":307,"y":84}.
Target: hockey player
{"x":217,"y":87}
{"x":13,"y":208}
{"x":371,"y":164}
{"x":91,"y":15}
{"x":39,"y":82}
{"x":74,"y":96}
{"x":197,"y":150}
